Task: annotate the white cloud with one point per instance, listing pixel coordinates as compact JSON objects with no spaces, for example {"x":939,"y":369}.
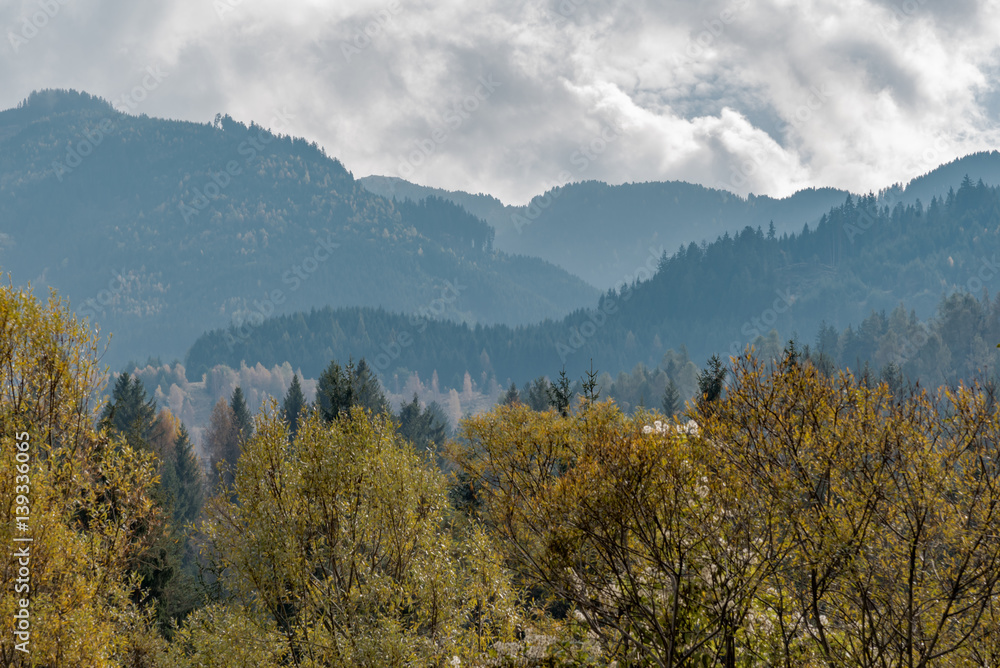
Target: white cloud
{"x":775,"y":95}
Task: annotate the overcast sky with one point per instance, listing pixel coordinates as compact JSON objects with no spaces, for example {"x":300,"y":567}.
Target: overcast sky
{"x":514,"y":97}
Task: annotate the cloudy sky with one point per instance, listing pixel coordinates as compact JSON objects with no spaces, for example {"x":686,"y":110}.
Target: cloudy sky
{"x":515,"y":97}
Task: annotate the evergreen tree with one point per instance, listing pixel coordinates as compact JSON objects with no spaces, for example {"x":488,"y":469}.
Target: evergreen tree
{"x":222,"y":443}
{"x":538,"y":394}
{"x":339,"y":388}
{"x":241,"y":414}
{"x":590,"y":391}
{"x":190,"y":483}
{"x":367,"y":390}
{"x":560,"y":394}
{"x":511,"y":397}
{"x":335,"y":391}
{"x":421,"y":427}
{"x":129,"y":412}
{"x":294,"y":405}
{"x":711,"y":381}
{"x":671,"y":399}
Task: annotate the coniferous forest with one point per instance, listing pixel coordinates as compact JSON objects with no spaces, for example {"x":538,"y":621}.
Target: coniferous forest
{"x":257,"y":412}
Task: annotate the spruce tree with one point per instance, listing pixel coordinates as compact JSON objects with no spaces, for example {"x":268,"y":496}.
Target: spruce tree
{"x":190,"y":494}
{"x":711,"y":381}
{"x":130,"y":412}
{"x":294,"y":405}
{"x":560,"y":394}
{"x":511,"y":397}
{"x":241,"y":414}
{"x":671,"y":399}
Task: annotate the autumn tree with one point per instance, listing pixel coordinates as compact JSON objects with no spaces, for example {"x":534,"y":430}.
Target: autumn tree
{"x":86,"y":495}
{"x":337,"y":549}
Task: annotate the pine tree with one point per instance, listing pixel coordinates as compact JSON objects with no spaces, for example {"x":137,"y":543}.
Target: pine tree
{"x":590,"y":391}
{"x":129,"y":412}
{"x":294,"y":405}
{"x":190,"y":483}
{"x":538,"y":394}
{"x":241,"y":414}
{"x":367,"y":390}
{"x":222,"y":443}
{"x":711,"y":381}
{"x":334,"y":391}
{"x":560,"y":394}
{"x":511,"y":397}
{"x":421,"y":427}
{"x":340,"y":388}
{"x":671,"y":399}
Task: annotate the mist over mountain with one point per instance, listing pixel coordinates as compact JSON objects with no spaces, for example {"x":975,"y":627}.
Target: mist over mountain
{"x":158,"y":230}
{"x":862,"y":257}
{"x":602,"y":232}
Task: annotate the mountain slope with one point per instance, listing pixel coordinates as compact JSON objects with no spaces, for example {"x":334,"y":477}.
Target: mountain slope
{"x":158,"y":229}
{"x":603,"y":233}
{"x":860,"y":257}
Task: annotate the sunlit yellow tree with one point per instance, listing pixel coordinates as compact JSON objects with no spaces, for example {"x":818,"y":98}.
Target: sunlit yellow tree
{"x":339,"y":542}
{"x":88,"y":499}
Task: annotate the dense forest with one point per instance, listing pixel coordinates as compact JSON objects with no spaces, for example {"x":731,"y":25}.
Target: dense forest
{"x":789,"y":515}
{"x":569,"y":225}
{"x":159,"y":229}
{"x":859,"y":262}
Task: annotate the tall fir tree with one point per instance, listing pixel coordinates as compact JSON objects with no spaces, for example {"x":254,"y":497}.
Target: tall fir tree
{"x":293,"y":406}
{"x":130,"y":412}
{"x":422,"y":427}
{"x":671,"y":399}
{"x":222,"y":444}
{"x":711,"y":381}
{"x":511,"y":397}
{"x":560,"y":394}
{"x":241,"y":414}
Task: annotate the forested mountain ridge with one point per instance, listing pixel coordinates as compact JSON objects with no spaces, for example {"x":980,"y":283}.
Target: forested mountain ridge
{"x":159,"y":229}
{"x":602,"y":232}
{"x":714,"y":298}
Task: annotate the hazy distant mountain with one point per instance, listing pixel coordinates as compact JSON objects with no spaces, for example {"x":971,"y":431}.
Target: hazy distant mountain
{"x":861,"y":256}
{"x":604,"y":233}
{"x":161,"y":229}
